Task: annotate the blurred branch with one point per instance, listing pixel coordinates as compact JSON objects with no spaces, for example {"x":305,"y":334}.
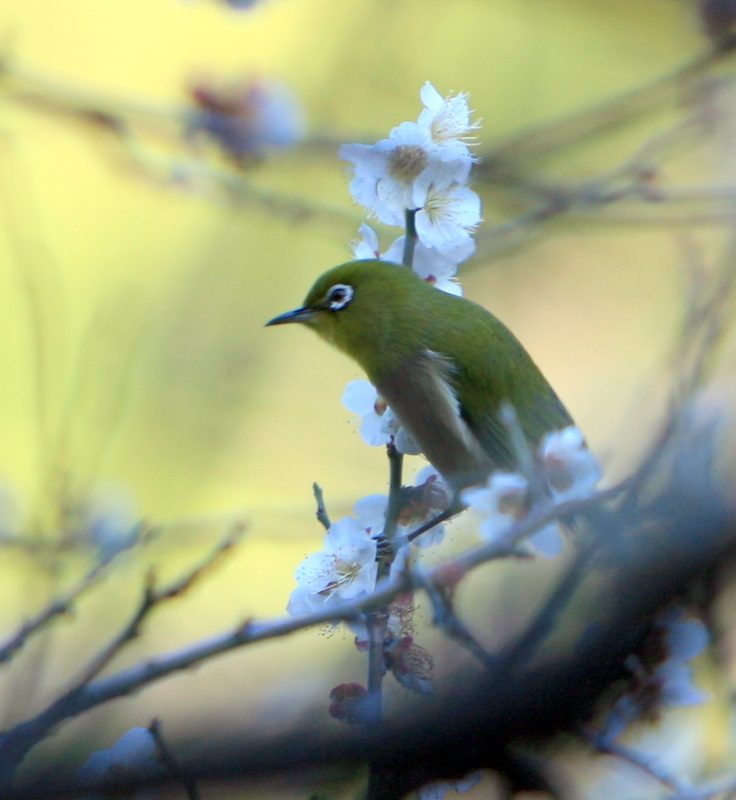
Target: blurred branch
{"x":647,"y":764}
{"x":322,"y":516}
{"x":57,"y":607}
{"x":171,"y":762}
{"x":673,"y":540}
{"x":150,"y":599}
{"x":84,"y":695}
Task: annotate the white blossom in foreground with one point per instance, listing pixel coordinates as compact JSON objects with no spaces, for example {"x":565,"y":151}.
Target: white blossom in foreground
{"x":685,"y":639}
{"x":448,"y":121}
{"x":503,"y":501}
{"x":569,"y":472}
{"x":570,"y":469}
{"x":344,"y":569}
{"x":132,"y":756}
{"x":666,"y":684}
{"x":438,"y":789}
{"x":378,"y":424}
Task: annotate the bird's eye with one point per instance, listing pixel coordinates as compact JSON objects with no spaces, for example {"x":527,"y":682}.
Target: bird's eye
{"x":339,"y":296}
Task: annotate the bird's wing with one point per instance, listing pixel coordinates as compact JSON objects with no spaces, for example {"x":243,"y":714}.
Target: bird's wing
{"x":421,"y":393}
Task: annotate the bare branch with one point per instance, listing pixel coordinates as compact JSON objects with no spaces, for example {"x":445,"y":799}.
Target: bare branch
{"x":322,"y":516}
{"x":150,"y":599}
{"x":57,"y":607}
{"x":171,"y":762}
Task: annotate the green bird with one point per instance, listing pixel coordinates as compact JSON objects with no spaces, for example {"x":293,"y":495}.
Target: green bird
{"x":444,"y":364}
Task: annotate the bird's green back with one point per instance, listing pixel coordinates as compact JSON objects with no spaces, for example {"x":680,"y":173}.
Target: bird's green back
{"x":395,"y":317}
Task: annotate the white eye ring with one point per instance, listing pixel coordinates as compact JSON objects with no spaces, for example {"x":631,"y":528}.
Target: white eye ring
{"x":339,"y":296}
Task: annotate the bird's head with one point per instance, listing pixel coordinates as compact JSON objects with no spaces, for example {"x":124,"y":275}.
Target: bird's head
{"x":357,"y":307}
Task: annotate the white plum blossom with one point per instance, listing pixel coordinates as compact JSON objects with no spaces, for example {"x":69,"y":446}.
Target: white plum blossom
{"x":344,"y":569}
{"x":448,"y":120}
{"x":368,"y":246}
{"x":371,"y":513}
{"x":438,"y":269}
{"x":378,"y":423}
{"x":361,"y":398}
{"x":438,"y":789}
{"x":423,"y":166}
{"x":396,"y":174}
{"x":504,"y":500}
{"x":132,"y":756}
{"x":684,"y":639}
{"x":448,"y":217}
{"x":668,"y":684}
{"x":435,"y":498}
{"x":570,"y":469}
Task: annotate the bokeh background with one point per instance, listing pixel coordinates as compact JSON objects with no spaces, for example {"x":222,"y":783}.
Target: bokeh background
{"x":136,"y":376}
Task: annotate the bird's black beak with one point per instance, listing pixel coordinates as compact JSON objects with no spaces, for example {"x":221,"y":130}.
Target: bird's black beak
{"x":297,"y":315}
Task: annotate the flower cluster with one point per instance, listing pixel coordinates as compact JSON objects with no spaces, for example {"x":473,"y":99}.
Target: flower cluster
{"x":423,"y":166}
{"x":346,"y":567}
{"x":568,"y":471}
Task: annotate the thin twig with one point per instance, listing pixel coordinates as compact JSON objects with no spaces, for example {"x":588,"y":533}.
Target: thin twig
{"x":171,"y":762}
{"x":410,"y":239}
{"x":445,"y":618}
{"x":322,"y":516}
{"x":57,"y":607}
{"x":151,"y":598}
{"x":523,"y":648}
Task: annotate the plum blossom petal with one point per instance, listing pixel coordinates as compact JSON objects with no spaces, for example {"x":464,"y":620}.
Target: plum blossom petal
{"x":434,"y":267}
{"x":344,"y":569}
{"x":133,"y":756}
{"x":397,"y":173}
{"x":502,"y":501}
{"x":361,"y":398}
{"x":570,"y":469}
{"x":448,"y":120}
{"x":448,"y":217}
{"x":435,"y":498}
{"x":367,"y":247}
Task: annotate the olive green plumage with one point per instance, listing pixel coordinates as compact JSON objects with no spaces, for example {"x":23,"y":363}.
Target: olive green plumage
{"x":443,"y":363}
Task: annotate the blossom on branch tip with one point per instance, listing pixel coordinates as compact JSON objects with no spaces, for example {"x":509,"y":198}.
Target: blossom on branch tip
{"x":378,"y":425}
{"x":344,"y":569}
{"x":133,"y":756}
{"x":503,"y":501}
{"x":661,"y":673}
{"x":570,"y":469}
{"x":448,"y":120}
{"x":448,"y":217}
{"x":396,"y":173}
{"x":437,"y":269}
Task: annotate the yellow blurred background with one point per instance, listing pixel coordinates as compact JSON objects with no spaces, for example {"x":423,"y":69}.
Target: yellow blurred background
{"x":134,"y":361}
